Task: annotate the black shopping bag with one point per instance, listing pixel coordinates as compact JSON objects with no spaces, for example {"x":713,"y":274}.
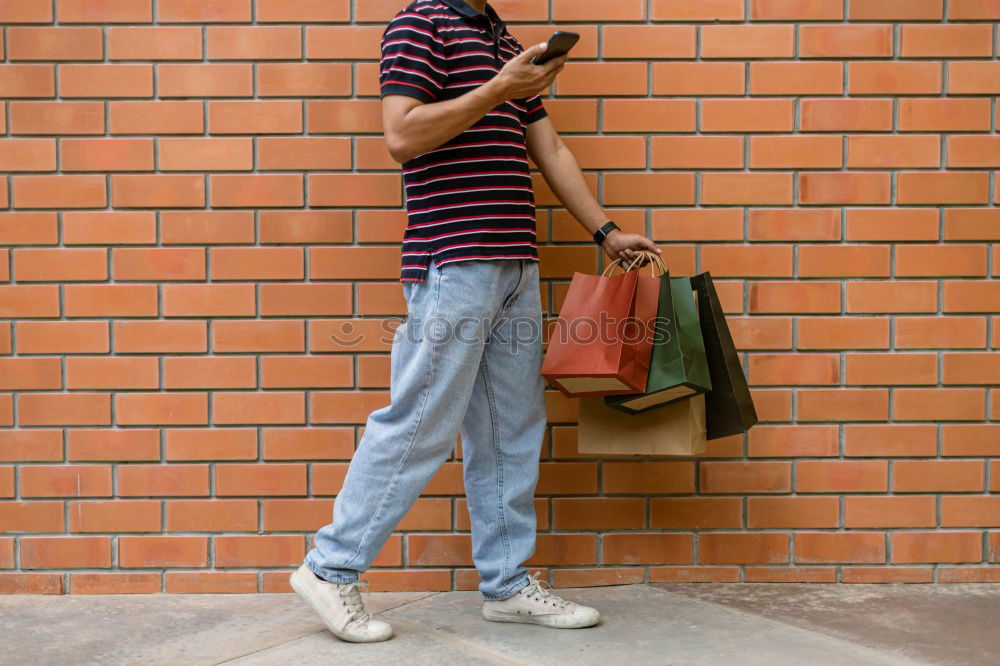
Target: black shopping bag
{"x":729,"y":408}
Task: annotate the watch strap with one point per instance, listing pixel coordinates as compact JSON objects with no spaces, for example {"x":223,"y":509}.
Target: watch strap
{"x":601,"y":234}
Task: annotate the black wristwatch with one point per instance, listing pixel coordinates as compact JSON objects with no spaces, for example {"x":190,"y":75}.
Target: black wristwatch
{"x":601,"y":234}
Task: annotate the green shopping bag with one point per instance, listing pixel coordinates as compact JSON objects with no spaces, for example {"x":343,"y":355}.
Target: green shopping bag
{"x":678,"y":368}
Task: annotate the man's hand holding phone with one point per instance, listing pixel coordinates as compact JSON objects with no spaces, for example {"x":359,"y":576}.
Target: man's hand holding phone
{"x":520,"y":78}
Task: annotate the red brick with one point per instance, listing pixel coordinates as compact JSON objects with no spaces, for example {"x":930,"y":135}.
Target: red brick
{"x":258,"y":551}
{"x":804,"y":152}
{"x":840,"y":548}
{"x":939,"y":404}
{"x":796,"y":370}
{"x":33,"y":516}
{"x":845,"y":41}
{"x":919,"y":114}
{"x":843,"y":261}
{"x":873,"y":152}
{"x":887,"y":575}
{"x":792,"y":512}
{"x":910,"y":476}
{"x":885,"y":512}
{"x":696,"y":512}
{"x":796,"y":78}
{"x":843,"y":332}
{"x":644,"y":115}
{"x":30,"y":583}
{"x":647,"y":41}
{"x":698,"y":78}
{"x":794,"y":297}
{"x":790,"y":575}
{"x":181,"y":582}
{"x":894,"y":78}
{"x":973,"y":10}
{"x":115,"y":516}
{"x":692,"y":152}
{"x":65,"y":481}
{"x":897,"y":296}
{"x":747,"y":41}
{"x":745,"y":477}
{"x":890,"y":369}
{"x":66,"y":552}
{"x":162,"y":480}
{"x":756,"y":115}
{"x":831,"y":188}
{"x":605,"y":79}
{"x":839,"y":476}
{"x":596,"y":577}
{"x":942,"y":188}
{"x":124,"y":583}
{"x":889,"y":440}
{"x":931,"y":548}
{"x":968,"y":575}
{"x":846,"y":115}
{"x":947,"y":41}
{"x":215,"y":515}
{"x":791,"y":10}
{"x":911,"y":10}
{"x":589,"y":10}
{"x":260,"y":479}
{"x":137,"y":552}
{"x":973,"y":439}
{"x":761,"y":548}
{"x":699,"y":574}
{"x":645,"y":477}
{"x":585,"y":513}
{"x":767,"y":441}
{"x":941,"y":260}
{"x":970,"y":511}
{"x":648,"y":548}
{"x":564,"y":550}
{"x":746,"y":189}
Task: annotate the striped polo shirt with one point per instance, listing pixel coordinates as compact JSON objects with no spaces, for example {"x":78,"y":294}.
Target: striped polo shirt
{"x":471,"y":198}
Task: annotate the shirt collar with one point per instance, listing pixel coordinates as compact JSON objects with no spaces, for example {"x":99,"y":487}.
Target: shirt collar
{"x":465,"y":9}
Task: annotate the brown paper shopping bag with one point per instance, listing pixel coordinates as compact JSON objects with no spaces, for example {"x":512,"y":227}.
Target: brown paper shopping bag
{"x":676,"y":429}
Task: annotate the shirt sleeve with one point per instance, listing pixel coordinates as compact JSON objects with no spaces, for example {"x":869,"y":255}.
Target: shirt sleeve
{"x":536,"y":110}
{"x":413,"y":59}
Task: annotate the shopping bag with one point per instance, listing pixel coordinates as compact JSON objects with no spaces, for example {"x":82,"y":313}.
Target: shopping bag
{"x":678,"y":367}
{"x":729,"y":407}
{"x":676,"y":429}
{"x":603,"y":339}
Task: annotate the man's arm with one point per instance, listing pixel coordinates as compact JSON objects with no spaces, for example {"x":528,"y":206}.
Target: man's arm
{"x":563,"y":174}
{"x":413,"y":127}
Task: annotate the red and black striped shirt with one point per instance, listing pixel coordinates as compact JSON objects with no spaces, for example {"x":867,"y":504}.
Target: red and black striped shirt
{"x":471,"y":198}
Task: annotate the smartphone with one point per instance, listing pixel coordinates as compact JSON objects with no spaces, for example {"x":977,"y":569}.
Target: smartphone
{"x":559,"y":44}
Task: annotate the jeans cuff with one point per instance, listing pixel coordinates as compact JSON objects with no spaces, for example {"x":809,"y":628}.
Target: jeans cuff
{"x":511,"y":591}
{"x":328,"y":577}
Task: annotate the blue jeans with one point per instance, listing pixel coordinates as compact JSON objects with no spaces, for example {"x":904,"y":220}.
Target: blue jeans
{"x":467,"y":360}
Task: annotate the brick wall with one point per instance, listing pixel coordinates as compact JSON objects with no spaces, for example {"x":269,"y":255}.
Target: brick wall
{"x":199,"y":199}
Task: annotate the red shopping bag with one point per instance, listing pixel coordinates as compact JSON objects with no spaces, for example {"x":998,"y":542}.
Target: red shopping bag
{"x":602,"y":342}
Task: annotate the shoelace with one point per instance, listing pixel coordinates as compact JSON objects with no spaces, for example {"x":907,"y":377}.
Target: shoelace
{"x":351,"y":595}
{"x":534,"y":590}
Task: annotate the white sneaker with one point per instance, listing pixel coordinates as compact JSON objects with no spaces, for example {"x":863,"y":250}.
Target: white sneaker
{"x":340,"y":606}
{"x":534,"y":604}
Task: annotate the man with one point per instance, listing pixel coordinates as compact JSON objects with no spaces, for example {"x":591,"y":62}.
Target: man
{"x":461,"y":111}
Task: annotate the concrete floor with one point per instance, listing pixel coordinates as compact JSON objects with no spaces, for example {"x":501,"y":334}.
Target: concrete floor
{"x":825,"y":625}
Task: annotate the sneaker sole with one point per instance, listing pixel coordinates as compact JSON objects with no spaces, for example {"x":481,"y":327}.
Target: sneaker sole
{"x":552,"y":621}
{"x":321,"y":611}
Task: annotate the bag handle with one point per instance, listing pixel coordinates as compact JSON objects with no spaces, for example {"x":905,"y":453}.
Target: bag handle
{"x":655,"y":261}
